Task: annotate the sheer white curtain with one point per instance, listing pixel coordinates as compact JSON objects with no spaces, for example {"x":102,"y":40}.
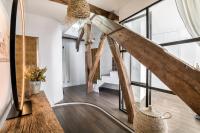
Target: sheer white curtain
{"x":190,"y":13}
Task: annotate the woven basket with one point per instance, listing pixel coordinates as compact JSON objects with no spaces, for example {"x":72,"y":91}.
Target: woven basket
{"x":150,"y":121}
{"x":78,"y":9}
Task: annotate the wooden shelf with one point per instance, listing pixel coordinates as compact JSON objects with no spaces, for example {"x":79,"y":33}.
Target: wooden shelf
{"x":42,"y":119}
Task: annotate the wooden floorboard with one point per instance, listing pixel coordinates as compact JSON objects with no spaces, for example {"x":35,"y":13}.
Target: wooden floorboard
{"x":108,"y":101}
{"x":86,"y":119}
{"x":183,"y":120}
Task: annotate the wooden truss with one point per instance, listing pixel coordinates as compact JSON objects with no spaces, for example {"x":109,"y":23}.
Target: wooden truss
{"x":91,"y":69}
{"x":181,"y":78}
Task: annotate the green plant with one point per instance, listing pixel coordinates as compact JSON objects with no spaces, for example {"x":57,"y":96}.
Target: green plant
{"x":34,"y":73}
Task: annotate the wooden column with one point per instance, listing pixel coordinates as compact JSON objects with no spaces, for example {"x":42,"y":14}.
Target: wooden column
{"x":88,"y":53}
{"x":124,"y":79}
{"x":181,"y":78}
{"x":96,"y":62}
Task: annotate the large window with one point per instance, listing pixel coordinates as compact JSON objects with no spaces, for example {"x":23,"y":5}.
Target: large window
{"x":162,"y":24}
{"x":167,"y":25}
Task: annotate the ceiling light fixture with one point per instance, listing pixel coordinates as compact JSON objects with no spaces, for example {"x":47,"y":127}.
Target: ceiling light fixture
{"x":78,"y":9}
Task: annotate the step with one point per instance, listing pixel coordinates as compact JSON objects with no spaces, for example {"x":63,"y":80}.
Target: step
{"x":108,"y":79}
{"x":107,"y":87}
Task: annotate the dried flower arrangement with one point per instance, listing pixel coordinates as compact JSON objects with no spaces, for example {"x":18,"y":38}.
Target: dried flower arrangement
{"x":35,"y":73}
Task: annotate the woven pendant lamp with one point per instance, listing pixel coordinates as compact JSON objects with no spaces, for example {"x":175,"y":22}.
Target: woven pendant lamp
{"x":78,"y":9}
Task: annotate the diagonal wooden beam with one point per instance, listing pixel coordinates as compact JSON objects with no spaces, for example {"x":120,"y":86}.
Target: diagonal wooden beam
{"x":94,"y":9}
{"x":180,"y":77}
{"x":88,"y":53}
{"x":96,"y":62}
{"x":78,"y":41}
{"x":124,"y":79}
{"x":88,"y":46}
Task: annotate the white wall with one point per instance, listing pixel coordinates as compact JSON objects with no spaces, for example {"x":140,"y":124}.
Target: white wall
{"x":5,"y":85}
{"x":133,"y":7}
{"x":49,"y":32}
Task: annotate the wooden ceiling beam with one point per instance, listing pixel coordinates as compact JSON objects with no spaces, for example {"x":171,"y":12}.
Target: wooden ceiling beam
{"x":94,"y":9}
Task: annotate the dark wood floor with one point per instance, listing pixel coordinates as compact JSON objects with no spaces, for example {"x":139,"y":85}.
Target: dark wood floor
{"x":86,"y":119}
{"x":106,"y":100}
{"x":182,"y":121}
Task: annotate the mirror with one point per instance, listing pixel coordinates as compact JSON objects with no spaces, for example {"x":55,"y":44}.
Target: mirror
{"x":18,"y":62}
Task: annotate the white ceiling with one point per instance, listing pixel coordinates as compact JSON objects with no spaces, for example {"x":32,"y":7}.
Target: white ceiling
{"x":109,"y":5}
{"x":58,"y":11}
{"x":46,"y":8}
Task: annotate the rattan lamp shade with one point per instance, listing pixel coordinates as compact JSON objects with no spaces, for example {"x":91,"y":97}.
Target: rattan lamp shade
{"x":78,"y":9}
